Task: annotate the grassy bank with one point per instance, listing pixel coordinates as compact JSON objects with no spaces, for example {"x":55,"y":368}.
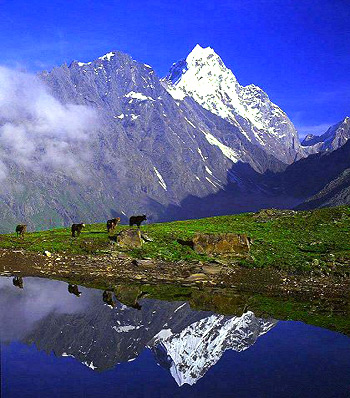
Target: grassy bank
{"x":297,"y":241}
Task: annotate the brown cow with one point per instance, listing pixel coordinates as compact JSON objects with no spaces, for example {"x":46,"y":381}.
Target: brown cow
{"x":76,"y":229}
{"x":21,"y":229}
{"x":111,"y":224}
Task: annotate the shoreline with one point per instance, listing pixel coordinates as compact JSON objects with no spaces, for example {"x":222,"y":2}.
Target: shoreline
{"x":113,"y":268}
{"x":322,"y":301}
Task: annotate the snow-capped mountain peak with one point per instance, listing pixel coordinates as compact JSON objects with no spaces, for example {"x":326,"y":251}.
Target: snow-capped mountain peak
{"x":204,"y":77}
{"x":108,"y":56}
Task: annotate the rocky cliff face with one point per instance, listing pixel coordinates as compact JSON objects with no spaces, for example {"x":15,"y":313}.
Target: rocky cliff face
{"x":319,"y":180}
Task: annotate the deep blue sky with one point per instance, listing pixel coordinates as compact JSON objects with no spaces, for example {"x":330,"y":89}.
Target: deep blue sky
{"x":298,"y":51}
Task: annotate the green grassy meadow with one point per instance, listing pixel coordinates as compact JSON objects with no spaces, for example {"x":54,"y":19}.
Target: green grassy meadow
{"x":294,"y":241}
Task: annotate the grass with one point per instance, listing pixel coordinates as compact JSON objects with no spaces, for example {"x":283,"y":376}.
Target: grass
{"x":295,"y":241}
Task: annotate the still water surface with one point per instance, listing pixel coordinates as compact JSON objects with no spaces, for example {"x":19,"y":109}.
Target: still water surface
{"x":60,"y":341}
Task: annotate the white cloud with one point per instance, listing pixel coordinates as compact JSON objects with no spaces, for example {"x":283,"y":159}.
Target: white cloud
{"x":36,"y":130}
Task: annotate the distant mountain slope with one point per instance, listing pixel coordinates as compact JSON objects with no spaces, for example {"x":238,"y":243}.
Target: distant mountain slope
{"x":335,"y":137}
{"x":335,"y":193}
{"x":323,"y":174}
{"x":91,"y":140}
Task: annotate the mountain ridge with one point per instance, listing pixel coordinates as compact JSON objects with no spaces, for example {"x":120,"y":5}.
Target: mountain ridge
{"x":151,"y":151}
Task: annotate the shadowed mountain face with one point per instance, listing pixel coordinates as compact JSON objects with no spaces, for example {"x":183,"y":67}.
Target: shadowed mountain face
{"x":100,"y":336}
{"x":320,"y":179}
{"x":146,"y":149}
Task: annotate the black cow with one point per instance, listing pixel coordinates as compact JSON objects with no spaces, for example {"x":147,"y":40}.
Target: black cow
{"x":76,"y":229}
{"x":21,"y":229}
{"x":137,"y":220}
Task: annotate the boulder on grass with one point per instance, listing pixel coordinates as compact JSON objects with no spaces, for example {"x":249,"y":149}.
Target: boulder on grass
{"x":221,"y":244}
{"x":130,"y":238}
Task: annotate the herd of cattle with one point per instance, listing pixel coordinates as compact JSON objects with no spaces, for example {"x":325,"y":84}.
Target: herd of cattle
{"x":76,"y":229}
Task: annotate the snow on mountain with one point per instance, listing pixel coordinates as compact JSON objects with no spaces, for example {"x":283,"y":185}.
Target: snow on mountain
{"x":335,"y":137}
{"x":204,"y":77}
{"x":150,"y":152}
{"x":190,"y":353}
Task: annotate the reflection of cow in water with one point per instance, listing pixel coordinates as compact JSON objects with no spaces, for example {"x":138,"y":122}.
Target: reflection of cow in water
{"x":108,"y":298}
{"x":136,"y":305}
{"x":18,"y":281}
{"x":73,"y":289}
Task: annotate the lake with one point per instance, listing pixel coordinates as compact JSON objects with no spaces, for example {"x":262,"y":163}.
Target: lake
{"x":60,"y":340}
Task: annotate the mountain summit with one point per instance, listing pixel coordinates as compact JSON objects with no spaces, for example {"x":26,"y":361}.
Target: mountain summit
{"x":204,"y":77}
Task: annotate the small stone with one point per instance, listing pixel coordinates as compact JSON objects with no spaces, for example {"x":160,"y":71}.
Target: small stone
{"x":47,"y":253}
{"x":211,"y":269}
{"x":146,"y":238}
{"x":197,"y":277}
{"x":122,"y":256}
{"x":144,"y":263}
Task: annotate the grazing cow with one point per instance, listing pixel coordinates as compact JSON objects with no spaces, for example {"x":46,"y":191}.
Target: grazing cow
{"x":111,"y":224}
{"x":108,"y":298}
{"x":21,"y":229}
{"x":137,"y":220}
{"x":76,"y":229}
{"x":18,"y":281}
{"x":73,"y":289}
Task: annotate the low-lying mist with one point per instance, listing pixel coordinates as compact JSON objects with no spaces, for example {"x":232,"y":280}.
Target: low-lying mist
{"x":38,"y":132}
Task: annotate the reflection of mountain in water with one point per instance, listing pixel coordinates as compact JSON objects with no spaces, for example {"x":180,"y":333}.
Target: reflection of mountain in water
{"x":190,"y":353}
{"x":184,"y":341}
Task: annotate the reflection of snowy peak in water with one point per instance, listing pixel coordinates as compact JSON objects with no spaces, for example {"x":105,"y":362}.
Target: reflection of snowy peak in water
{"x":102,"y":337}
{"x":190,"y":353}
{"x":101,"y":333}
{"x":186,"y":342}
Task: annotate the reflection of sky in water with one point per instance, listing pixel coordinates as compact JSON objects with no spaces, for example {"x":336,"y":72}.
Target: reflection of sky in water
{"x":219,"y":356}
{"x":21,"y":308}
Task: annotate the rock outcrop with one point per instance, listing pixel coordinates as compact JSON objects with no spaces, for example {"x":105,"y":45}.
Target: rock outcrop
{"x":130,"y":238}
{"x":226,"y":244}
